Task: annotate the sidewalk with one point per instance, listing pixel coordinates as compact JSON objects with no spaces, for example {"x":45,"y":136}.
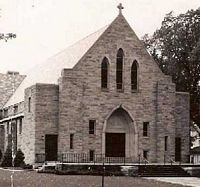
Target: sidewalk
{"x":12,"y":169}
{"x":189,"y":181}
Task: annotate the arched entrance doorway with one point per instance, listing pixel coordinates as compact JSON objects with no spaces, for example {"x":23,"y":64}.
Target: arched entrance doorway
{"x":119,"y":135}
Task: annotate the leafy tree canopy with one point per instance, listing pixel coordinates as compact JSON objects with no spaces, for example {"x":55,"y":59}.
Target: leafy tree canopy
{"x":176,"y":49}
{"x":7,"y":36}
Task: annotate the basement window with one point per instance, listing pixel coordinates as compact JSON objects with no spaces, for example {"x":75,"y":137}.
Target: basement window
{"x":71,"y":141}
{"x":91,"y":155}
{"x":145,"y":154}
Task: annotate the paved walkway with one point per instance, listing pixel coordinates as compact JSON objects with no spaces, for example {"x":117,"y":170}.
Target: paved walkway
{"x":188,"y":181}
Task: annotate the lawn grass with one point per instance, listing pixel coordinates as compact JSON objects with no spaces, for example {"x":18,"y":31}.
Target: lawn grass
{"x":33,"y":179}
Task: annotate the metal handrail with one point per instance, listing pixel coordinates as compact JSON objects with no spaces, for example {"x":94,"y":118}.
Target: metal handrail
{"x":87,"y":158}
{"x":145,"y":161}
{"x":171,"y":160}
{"x":168,"y":158}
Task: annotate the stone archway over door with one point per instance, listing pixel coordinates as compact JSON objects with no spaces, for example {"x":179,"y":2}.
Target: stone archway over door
{"x":119,"y":137}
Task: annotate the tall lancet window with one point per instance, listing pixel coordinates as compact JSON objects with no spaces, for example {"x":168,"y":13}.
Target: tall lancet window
{"x":134,"y":75}
{"x":104,"y":73}
{"x":119,"y":69}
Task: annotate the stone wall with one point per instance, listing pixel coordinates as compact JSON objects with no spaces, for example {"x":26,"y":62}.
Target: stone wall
{"x":46,"y":114}
{"x":82,"y":99}
{"x":28,"y":132}
{"x":70,"y":113}
{"x":182,"y":116}
{"x":66,"y":108}
{"x":165,"y":124}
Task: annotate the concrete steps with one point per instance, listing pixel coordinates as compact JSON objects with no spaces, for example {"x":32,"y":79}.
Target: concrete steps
{"x":162,"y":171}
{"x":139,"y":170}
{"x":46,"y":167}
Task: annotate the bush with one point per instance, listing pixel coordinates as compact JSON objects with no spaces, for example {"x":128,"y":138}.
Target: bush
{"x":7,"y":158}
{"x":19,"y":159}
{"x":27,"y":166}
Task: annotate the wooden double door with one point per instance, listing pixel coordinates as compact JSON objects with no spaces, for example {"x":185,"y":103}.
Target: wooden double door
{"x":115,"y":144}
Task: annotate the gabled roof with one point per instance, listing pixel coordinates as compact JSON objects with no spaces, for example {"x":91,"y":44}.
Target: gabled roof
{"x":9,"y":82}
{"x":49,"y":71}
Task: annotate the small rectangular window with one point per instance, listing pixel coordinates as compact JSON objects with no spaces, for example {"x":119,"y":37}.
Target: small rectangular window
{"x":145,"y":154}
{"x":5,"y":113}
{"x":91,"y":155}
{"x":8,"y":127}
{"x":15,"y":109}
{"x":29,"y":104}
{"x":20,"y":125}
{"x":92,"y":124}
{"x":1,"y":114}
{"x":71,"y":141}
{"x":166,"y":142}
{"x":145,"y":128}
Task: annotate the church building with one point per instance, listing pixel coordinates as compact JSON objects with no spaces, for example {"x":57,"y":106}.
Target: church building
{"x":104,"y":95}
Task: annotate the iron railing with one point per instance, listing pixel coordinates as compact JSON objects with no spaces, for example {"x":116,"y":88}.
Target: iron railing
{"x":86,"y":158}
{"x":97,"y":158}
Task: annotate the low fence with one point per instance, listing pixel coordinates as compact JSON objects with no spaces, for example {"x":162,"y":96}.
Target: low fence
{"x":87,"y":158}
{"x":98,"y":158}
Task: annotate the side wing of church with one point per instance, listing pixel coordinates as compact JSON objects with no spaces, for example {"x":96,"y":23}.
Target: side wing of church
{"x":113,"y":101}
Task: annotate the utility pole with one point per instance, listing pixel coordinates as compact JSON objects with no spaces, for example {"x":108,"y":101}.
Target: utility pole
{"x":103,"y":173}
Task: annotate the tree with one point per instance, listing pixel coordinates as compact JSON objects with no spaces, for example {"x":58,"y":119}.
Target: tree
{"x":7,"y":36}
{"x":19,"y":159}
{"x":7,"y":158}
{"x":176,"y":49}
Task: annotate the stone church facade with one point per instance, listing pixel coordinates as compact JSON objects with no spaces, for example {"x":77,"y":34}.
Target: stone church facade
{"x":112,"y":99}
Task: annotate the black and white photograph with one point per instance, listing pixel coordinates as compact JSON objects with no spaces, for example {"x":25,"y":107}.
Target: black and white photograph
{"x":99,"y":93}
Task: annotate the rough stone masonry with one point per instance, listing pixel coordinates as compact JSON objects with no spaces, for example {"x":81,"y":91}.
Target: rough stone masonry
{"x":55,"y":107}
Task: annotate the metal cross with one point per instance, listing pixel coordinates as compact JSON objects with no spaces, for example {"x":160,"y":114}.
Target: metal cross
{"x":120,"y":7}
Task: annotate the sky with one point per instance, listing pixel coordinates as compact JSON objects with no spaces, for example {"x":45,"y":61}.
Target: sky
{"x":45,"y":27}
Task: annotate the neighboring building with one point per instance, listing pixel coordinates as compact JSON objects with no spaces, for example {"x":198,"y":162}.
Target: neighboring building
{"x":103,"y":95}
{"x":8,"y":84}
{"x":195,"y":136}
{"x":195,"y":155}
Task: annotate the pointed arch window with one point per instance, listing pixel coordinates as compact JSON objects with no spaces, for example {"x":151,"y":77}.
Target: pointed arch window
{"x":104,"y":73}
{"x":119,"y":69}
{"x":134,"y":75}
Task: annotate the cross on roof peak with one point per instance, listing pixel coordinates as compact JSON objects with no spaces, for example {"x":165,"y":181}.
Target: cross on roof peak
{"x":120,"y":7}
